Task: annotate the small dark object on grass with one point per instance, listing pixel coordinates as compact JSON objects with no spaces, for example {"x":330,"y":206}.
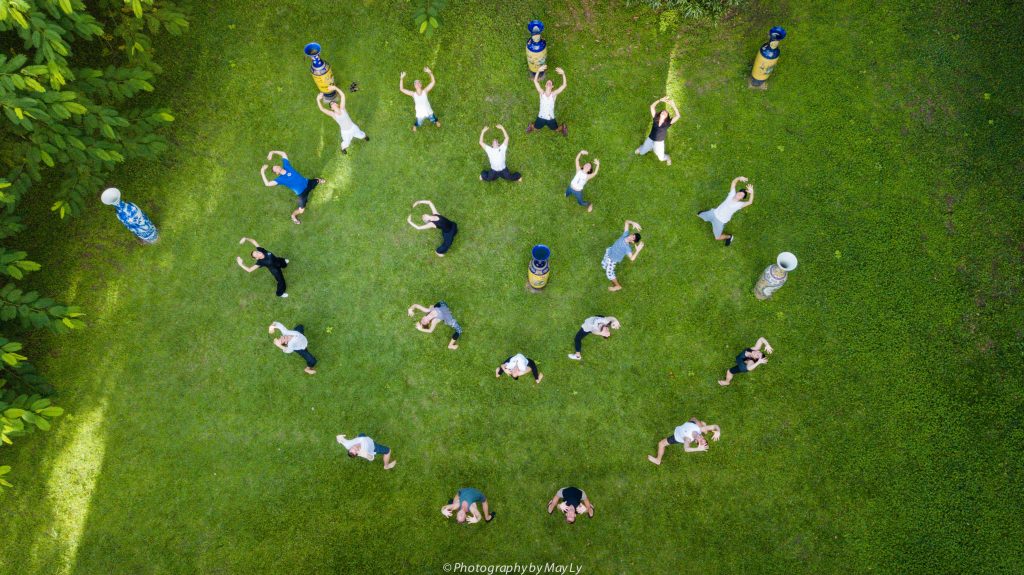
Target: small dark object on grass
{"x":353,"y":87}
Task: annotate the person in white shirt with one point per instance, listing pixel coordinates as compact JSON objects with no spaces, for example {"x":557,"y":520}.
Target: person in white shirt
{"x":583,"y":175}
{"x":733,"y":203}
{"x":690,"y":432}
{"x":294,"y":341}
{"x":337,"y":111}
{"x":419,"y":96}
{"x":597,"y":325}
{"x":546,"y":115}
{"x":518,"y":365}
{"x":363,"y":446}
{"x":496,"y":158}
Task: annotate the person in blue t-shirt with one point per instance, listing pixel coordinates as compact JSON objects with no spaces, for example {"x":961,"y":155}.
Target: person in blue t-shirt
{"x":290,"y":178}
{"x":619,"y":250}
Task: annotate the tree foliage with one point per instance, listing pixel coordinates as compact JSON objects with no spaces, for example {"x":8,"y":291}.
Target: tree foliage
{"x":70,"y":77}
{"x":693,"y":9}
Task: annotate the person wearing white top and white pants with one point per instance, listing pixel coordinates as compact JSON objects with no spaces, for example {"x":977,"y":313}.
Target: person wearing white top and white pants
{"x":546,"y":115}
{"x":690,"y":432}
{"x":496,"y":159}
{"x":583,"y":175}
{"x":423,"y":110}
{"x":349,"y":129}
{"x":733,"y":203}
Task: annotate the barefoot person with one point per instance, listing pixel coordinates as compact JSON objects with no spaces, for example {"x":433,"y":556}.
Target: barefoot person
{"x":516,"y":366}
{"x":584,"y":174}
{"x":424,"y":112}
{"x":576,"y":503}
{"x":619,"y":250}
{"x":290,"y":178}
{"x":597,"y":325}
{"x":339,"y":113}
{"x":659,"y":130}
{"x":546,"y":115}
{"x":748,"y":360}
{"x":434,"y":315}
{"x":435,"y":220}
{"x":363,"y":446}
{"x":464,"y":506}
{"x":691,"y":432}
{"x":294,"y":341}
{"x":733,"y":203}
{"x":265,"y":259}
{"x":496,"y":158}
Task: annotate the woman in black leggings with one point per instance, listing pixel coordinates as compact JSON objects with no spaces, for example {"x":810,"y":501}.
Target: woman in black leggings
{"x":597,"y":325}
{"x":435,"y":220}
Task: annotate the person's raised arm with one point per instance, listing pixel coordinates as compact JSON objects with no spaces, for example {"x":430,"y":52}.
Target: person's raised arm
{"x":597,"y":168}
{"x":633,"y":254}
{"x":654,"y":107}
{"x":417,"y":306}
{"x":263,"y":174}
{"x":699,"y":447}
{"x":630,"y":223}
{"x":564,"y":81}
{"x":754,"y":364}
{"x":484,"y":131}
{"x":341,"y":96}
{"x":536,"y":80}
{"x":736,"y":180}
{"x":588,"y":505}
{"x":430,"y":86}
{"x":250,"y":240}
{"x":474,"y":511}
{"x":401,"y":85}
{"x":750,"y":195}
{"x":716,"y":432}
{"x":242,"y":265}
{"x":428,"y":203}
{"x":276,"y":325}
{"x":503,"y":131}
{"x":418,"y":227}
{"x":320,"y":104}
{"x":578,"y":156}
{"x":762,"y":342}
{"x":553,"y":503}
{"x":273,"y":153}
{"x":675,"y":109}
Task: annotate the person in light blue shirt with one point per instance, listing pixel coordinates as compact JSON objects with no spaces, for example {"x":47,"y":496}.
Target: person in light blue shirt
{"x":464,"y":506}
{"x":620,"y":250}
{"x":290,"y":178}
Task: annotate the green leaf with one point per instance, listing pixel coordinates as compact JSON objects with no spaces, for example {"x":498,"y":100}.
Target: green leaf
{"x":65,"y":5}
{"x":75,"y":108}
{"x":165,"y":117}
{"x":4,"y":482}
{"x":40,"y":404}
{"x":14,"y":272}
{"x":28,"y":265}
{"x":14,"y":413}
{"x":433,"y":22}
{"x":423,"y":28}
{"x":32,"y":83}
{"x":419,"y":19}
{"x":52,"y":411}
{"x":47,"y":159}
{"x":5,"y":469}
{"x":137,"y":8}
{"x":42,"y":423}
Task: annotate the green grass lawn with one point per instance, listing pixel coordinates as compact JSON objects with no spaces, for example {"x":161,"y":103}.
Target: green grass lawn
{"x":884,"y":435}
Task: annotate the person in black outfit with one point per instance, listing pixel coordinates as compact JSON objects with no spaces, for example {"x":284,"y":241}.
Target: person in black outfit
{"x":435,"y":220}
{"x":517,"y":365}
{"x":576,"y":502}
{"x":266,"y":259}
{"x":748,"y":360}
{"x":659,"y":130}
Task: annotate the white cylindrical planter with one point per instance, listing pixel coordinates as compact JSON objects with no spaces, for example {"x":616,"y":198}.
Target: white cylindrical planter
{"x":775,"y":275}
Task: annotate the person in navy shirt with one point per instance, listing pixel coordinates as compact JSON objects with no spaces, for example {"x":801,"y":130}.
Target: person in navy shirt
{"x":290,"y":178}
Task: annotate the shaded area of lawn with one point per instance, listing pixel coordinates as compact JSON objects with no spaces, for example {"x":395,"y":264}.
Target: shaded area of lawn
{"x":883,"y":434}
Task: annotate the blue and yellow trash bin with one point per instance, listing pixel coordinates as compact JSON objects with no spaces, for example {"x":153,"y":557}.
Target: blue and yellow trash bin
{"x":767,"y":56}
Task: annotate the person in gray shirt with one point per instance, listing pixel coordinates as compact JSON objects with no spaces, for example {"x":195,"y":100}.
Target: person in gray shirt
{"x":294,"y":341}
{"x":435,"y":314}
{"x":619,"y":250}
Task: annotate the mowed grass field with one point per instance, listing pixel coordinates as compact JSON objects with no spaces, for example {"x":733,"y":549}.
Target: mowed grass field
{"x":883,"y":436}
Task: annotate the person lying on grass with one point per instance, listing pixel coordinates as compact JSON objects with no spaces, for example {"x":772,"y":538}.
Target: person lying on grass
{"x":687,"y":434}
{"x":338,"y":112}
{"x":619,"y":250}
{"x":576,"y":503}
{"x":496,"y":159}
{"x":265,"y":259}
{"x":748,"y":360}
{"x":721,"y":215}
{"x":363,"y":446}
{"x":659,"y":130}
{"x":424,"y":112}
{"x":583,"y":175}
{"x":435,"y":314}
{"x":597,"y":325}
{"x":464,"y":506}
{"x":294,"y":341}
{"x":546,"y":115}
{"x":435,"y":220}
{"x":516,"y":366}
{"x":290,"y":178}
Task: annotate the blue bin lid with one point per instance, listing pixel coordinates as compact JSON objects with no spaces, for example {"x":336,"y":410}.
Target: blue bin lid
{"x":541,"y":252}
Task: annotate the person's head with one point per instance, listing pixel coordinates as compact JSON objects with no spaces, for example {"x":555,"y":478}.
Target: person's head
{"x":257,"y":255}
{"x":427,"y":318}
{"x":614,"y":323}
{"x":354,"y":451}
{"x":701,"y":441}
{"x":461,"y":515}
{"x":633,"y":239}
{"x":754,"y":354}
{"x":662,"y":116}
{"x":277,"y":170}
{"x":548,"y":86}
{"x":495,"y":143}
{"x":427,"y":218}
{"x":588,"y":168}
{"x":570,"y":514}
{"x":417,"y":85}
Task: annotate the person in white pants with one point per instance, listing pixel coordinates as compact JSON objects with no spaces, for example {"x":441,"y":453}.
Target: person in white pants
{"x":423,"y":110}
{"x":659,"y":130}
{"x":337,"y":111}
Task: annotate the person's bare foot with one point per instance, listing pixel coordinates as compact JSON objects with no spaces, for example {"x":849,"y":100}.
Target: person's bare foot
{"x":653,"y":460}
{"x":438,"y":123}
{"x":530,"y":127}
{"x":295,"y":220}
{"x":614,"y":288}
{"x":520,"y":180}
{"x":414,"y":128}
{"x":453,"y":345}
{"x":668,"y":161}
{"x":723,"y":383}
{"x":310,"y":370}
{"x":390,"y":465}
{"x":590,"y":208}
